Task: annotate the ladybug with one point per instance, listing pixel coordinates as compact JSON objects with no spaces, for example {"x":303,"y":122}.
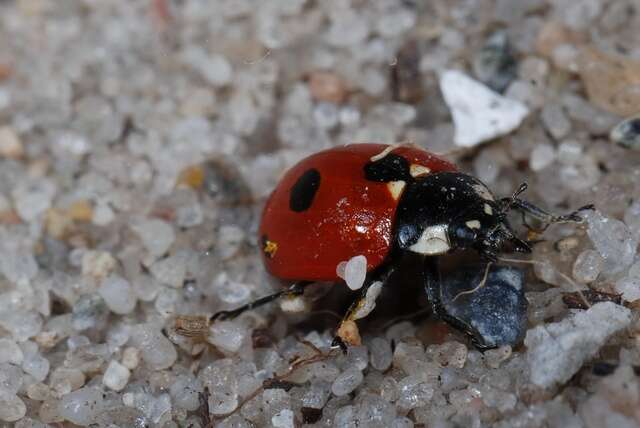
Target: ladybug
{"x":380,"y":201}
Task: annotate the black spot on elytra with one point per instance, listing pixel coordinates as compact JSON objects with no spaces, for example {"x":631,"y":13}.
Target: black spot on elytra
{"x":304,"y":190}
{"x":389,"y":168}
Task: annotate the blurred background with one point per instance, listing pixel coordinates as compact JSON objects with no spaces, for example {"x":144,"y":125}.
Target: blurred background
{"x":138,"y":140}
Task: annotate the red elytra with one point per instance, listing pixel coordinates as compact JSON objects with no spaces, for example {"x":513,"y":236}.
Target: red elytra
{"x":342,"y":214}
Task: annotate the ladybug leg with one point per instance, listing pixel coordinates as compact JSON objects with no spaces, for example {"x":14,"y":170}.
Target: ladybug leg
{"x":296,"y":289}
{"x":545,"y":217}
{"x":347,"y":332}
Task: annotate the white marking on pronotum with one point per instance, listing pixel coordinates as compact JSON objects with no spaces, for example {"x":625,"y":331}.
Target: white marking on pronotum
{"x":369,"y":302}
{"x":473,"y":224}
{"x":383,"y":153}
{"x":293,"y":304}
{"x":488,"y":210}
{"x":434,"y":240}
{"x":417,"y":170}
{"x":396,"y":188}
{"x":483,"y":192}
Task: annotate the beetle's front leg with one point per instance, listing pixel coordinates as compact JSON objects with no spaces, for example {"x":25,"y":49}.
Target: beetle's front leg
{"x":347,"y":333}
{"x":546,"y":217}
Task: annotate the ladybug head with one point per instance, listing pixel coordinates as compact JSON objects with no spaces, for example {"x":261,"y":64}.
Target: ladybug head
{"x":483,"y":224}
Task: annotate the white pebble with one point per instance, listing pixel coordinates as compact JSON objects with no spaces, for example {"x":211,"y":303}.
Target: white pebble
{"x":587,"y":266}
{"x":155,"y":349}
{"x":21,"y":324}
{"x":131,"y":357}
{"x":479,"y":114}
{"x":570,"y":152}
{"x":395,"y":22}
{"x":102,"y":214}
{"x":10,"y":352}
{"x":159,"y":409}
{"x":221,"y":378}
{"x":97,"y":264}
{"x":184,"y":392}
{"x":117,"y":336}
{"x":228,"y":336}
{"x":129,"y":399}
{"x":11,"y":378}
{"x":214,"y":68}
{"x":81,"y":407}
{"x":414,"y":392}
{"x":556,"y":351}
{"x":230,"y":240}
{"x":12,"y":408}
{"x":294,"y":304}
{"x":31,"y":199}
{"x":118,"y":295}
{"x":231,"y":292}
{"x":542,"y":156}
{"x":347,"y":381}
{"x":381,"y":355}
{"x":156,"y":235}
{"x":629,"y":287}
{"x":494,"y":357}
{"x":36,"y":365}
{"x":555,"y":121}
{"x":170,"y":271}
{"x":613,"y":240}
{"x":402,"y":422}
{"x":355,"y":272}
{"x":10,"y":143}
{"x":64,"y":380}
{"x":116,"y":376}
{"x":283,"y":419}
{"x":449,"y":354}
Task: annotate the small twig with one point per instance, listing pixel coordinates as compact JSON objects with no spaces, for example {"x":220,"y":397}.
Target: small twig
{"x":203,"y":409}
{"x":575,"y":300}
{"x":310,"y":345}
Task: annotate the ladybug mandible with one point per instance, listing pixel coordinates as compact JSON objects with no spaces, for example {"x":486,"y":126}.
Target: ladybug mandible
{"x":380,"y":201}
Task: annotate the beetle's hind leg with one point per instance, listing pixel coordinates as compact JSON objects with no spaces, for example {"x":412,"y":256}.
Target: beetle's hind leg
{"x":294,"y":290}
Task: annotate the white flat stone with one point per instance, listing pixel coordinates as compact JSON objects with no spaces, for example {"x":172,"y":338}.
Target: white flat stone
{"x":479,"y":114}
{"x":556,"y":351}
